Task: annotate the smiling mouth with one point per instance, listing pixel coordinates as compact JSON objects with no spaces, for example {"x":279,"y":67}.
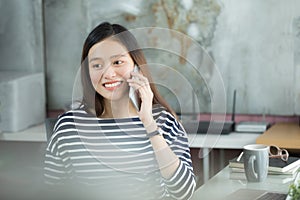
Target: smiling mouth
{"x":112,"y":84}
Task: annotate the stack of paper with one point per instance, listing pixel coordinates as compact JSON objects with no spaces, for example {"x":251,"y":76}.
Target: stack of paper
{"x":279,"y":170}
{"x":250,"y":126}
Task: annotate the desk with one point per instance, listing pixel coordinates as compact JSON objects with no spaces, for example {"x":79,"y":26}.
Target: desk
{"x":207,"y":142}
{"x":220,"y":186}
{"x":33,"y":134}
{"x":284,"y":135}
{"x":232,"y":140}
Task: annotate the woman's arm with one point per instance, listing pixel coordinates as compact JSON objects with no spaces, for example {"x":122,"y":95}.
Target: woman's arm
{"x":172,"y":154}
{"x":54,"y":170}
{"x":167,"y":160}
{"x":178,"y":172}
{"x":54,"y":167}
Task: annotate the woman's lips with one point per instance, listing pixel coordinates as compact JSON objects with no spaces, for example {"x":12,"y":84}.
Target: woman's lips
{"x":112,"y":85}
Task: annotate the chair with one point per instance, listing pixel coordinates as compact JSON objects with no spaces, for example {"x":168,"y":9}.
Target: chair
{"x":49,"y":125}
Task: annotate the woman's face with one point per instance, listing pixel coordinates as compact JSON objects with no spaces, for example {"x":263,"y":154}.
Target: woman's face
{"x":110,"y":65}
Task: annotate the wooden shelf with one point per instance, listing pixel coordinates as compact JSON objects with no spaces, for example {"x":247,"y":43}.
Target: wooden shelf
{"x":284,"y":135}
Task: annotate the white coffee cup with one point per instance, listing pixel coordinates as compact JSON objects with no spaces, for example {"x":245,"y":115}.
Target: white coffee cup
{"x":256,"y":162}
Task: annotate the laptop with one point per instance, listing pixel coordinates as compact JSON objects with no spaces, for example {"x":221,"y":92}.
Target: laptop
{"x":253,"y":194}
{"x":256,"y":194}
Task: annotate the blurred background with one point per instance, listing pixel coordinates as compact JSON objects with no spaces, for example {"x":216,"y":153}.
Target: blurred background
{"x":254,"y":44}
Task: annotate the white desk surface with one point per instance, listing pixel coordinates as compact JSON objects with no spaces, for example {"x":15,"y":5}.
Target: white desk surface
{"x":221,"y":185}
{"x":232,"y":140}
{"x":33,"y":134}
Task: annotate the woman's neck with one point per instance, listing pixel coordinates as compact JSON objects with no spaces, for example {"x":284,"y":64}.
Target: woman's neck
{"x":118,"y":109}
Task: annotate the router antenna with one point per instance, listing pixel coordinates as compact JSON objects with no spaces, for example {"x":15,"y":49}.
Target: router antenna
{"x":193,"y":104}
{"x":233,"y":106}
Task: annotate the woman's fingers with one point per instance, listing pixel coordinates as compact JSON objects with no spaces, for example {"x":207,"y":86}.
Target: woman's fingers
{"x":141,"y":84}
{"x":138,"y":80}
{"x":142,"y":87}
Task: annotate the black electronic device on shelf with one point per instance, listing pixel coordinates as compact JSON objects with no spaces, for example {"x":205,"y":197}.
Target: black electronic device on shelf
{"x":211,"y":127}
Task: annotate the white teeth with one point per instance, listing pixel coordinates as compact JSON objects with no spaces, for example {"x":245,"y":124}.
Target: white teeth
{"x":109,"y":85}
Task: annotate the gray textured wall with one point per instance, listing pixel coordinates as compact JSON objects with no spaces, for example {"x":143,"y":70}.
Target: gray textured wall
{"x":66,"y":26}
{"x":21,"y":37}
{"x":255,"y":45}
{"x":255,"y":49}
{"x":296,"y":42}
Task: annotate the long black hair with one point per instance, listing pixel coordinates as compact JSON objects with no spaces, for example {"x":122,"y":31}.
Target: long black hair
{"x":93,"y":102}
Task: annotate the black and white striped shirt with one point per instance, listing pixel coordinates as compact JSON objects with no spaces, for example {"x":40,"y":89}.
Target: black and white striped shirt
{"x":113,"y":157}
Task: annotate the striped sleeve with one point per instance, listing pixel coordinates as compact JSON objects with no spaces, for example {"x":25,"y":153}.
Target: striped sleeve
{"x":55,"y":170}
{"x":182,"y":184}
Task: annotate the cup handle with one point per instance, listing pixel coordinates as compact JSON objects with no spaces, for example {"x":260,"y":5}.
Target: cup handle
{"x":251,"y":164}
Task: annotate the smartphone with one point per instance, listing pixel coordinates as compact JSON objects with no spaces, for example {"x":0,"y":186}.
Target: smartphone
{"x":133,"y":94}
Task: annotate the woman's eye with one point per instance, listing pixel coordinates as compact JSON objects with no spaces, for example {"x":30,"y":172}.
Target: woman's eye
{"x":97,"y":66}
{"x":118,"y":62}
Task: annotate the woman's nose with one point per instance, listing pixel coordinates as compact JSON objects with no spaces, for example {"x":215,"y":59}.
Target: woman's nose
{"x":109,"y":72}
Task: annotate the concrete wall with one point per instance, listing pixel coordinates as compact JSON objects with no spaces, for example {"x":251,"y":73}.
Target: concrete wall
{"x":296,"y":42}
{"x":66,"y":26}
{"x":255,"y":47}
{"x":254,"y":43}
{"x":21,"y":36}
{"x":22,"y":67}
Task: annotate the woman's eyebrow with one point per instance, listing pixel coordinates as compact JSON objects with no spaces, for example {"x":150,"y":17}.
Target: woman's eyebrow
{"x":117,"y":56}
{"x":111,"y":57}
{"x":95,"y":58}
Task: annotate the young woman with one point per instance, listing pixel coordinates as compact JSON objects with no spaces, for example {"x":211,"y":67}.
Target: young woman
{"x":108,"y":147}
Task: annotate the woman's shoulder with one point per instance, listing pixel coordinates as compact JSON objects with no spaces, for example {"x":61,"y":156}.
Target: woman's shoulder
{"x":161,"y":112}
{"x":67,"y":122}
{"x":71,"y":116}
{"x":75,"y":113}
{"x":168,"y":122}
{"x":158,"y":108}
